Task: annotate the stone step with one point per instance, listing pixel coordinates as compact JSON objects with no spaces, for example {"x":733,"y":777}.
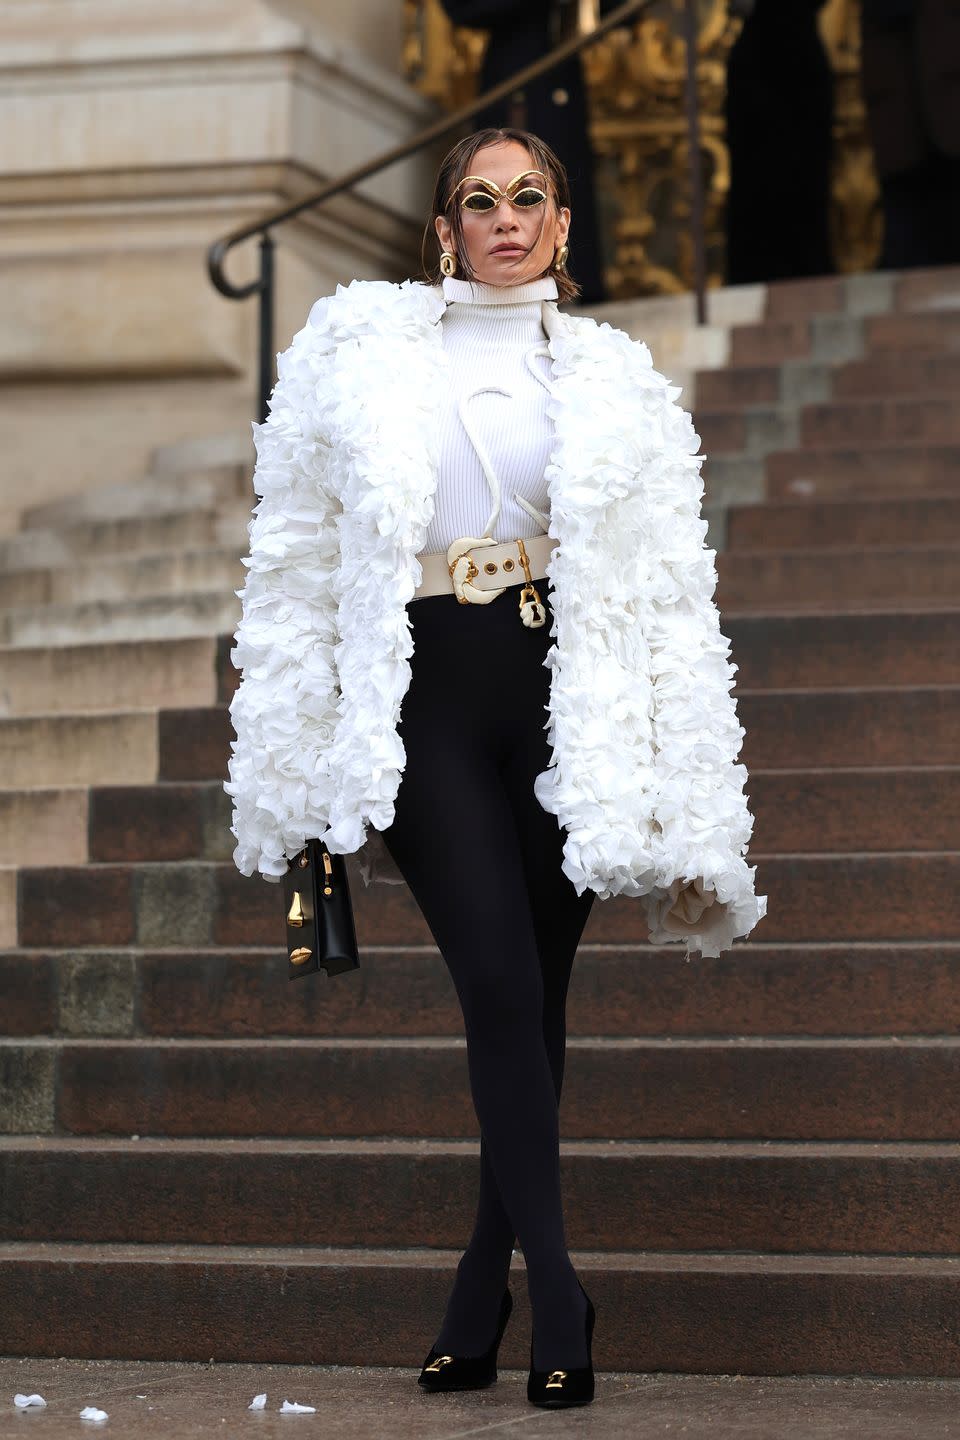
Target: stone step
{"x":204,"y":452}
{"x":52,"y":751}
{"x":933,"y":330}
{"x":629,"y":990}
{"x":814,"y":295}
{"x":118,"y":578}
{"x":44,"y":825}
{"x":759,"y":430}
{"x":899,"y":647}
{"x":906,"y":573}
{"x":781,"y":1314}
{"x":886,"y":374}
{"x":834,"y":471}
{"x":736,"y":1088}
{"x":835,"y":578}
{"x":158,"y":816}
{"x":748,"y":432}
{"x":836,"y":338}
{"x":190,"y":529}
{"x":187,"y":810}
{"x":795,"y":383}
{"x":870,"y":293}
{"x":162,"y":617}
{"x":803,"y":524}
{"x":915,"y":807}
{"x":742,"y":387}
{"x":822,"y":897}
{"x":895,"y":420}
{"x":8,"y":905}
{"x":158,"y":493}
{"x":858,"y":810}
{"x":872,"y":726}
{"x":855,"y":727}
{"x":116,"y":675}
{"x":620,"y":1195}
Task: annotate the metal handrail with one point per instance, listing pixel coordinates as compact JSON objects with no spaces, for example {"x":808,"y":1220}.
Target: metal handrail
{"x":263,"y":284}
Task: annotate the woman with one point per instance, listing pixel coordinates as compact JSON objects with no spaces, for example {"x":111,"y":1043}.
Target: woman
{"x":460,"y":473}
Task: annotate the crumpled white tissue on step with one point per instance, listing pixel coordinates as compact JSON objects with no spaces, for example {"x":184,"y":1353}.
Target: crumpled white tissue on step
{"x":290,"y":1407}
{"x":22,"y":1401}
{"x":258,"y":1402}
{"x":90,"y":1412}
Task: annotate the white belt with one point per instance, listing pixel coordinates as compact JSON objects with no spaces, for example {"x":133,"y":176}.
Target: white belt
{"x":478,"y":570}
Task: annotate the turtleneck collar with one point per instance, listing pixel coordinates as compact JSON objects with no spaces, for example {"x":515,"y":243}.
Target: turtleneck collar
{"x":477,"y":292}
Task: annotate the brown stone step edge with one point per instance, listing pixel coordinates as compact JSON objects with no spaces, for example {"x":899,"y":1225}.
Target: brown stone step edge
{"x":616,"y":990}
{"x":666,"y":1195}
{"x":821,"y":897}
{"x":703,"y":1313}
{"x":836,"y":522}
{"x":735,"y":1088}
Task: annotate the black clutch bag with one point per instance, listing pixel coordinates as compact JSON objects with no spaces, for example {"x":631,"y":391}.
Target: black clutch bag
{"x":320,"y":929}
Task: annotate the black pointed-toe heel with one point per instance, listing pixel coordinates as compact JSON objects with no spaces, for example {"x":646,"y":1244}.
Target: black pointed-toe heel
{"x":466,"y":1372}
{"x":554,"y":1389}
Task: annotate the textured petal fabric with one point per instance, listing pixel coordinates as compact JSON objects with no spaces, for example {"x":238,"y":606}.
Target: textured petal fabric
{"x":642,"y":727}
{"x":284,"y":710}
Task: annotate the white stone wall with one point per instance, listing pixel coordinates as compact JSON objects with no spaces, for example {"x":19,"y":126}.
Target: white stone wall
{"x":132,"y":135}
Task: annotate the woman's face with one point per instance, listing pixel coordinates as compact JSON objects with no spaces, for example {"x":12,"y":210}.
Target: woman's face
{"x":485,"y":233}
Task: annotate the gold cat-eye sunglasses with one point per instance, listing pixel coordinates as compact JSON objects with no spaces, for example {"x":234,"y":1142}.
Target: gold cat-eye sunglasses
{"x":524,"y":198}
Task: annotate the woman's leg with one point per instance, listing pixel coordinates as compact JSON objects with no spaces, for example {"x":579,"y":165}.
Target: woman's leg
{"x":559,"y":918}
{"x":456,"y":840}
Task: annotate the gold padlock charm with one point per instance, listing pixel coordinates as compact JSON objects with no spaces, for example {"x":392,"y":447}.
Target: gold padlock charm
{"x":531,"y":607}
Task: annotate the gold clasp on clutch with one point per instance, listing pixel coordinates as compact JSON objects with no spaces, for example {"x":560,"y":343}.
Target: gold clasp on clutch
{"x":328,"y":874}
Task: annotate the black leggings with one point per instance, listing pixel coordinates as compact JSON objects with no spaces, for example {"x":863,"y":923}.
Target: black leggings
{"x":482,"y":859}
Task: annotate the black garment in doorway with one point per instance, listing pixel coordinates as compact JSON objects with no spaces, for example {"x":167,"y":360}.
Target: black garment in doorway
{"x":778,"y":110}
{"x":482,"y":859}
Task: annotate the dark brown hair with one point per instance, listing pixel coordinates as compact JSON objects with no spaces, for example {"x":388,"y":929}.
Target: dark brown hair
{"x":456,"y":164}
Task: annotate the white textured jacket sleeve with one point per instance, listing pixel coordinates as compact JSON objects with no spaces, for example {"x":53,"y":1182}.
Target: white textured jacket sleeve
{"x":284,"y":711}
{"x":705,"y":889}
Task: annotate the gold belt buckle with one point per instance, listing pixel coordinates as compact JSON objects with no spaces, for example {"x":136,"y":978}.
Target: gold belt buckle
{"x":463,"y":568}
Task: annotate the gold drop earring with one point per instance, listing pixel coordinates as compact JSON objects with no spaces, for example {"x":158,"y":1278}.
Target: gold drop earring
{"x":448,"y":262}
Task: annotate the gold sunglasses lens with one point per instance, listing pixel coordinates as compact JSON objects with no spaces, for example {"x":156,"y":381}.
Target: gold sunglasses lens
{"x":479,"y":200}
{"x":529,"y":196}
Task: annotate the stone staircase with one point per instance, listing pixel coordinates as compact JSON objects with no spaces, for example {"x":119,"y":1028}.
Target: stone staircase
{"x":761,"y":1153}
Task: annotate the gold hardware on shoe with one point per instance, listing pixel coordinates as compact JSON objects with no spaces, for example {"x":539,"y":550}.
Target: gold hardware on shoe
{"x":300,"y":956}
{"x":438,"y":1364}
{"x":531,"y":606}
{"x":555,"y":1380}
{"x":328,"y":873}
{"x":295,"y":913}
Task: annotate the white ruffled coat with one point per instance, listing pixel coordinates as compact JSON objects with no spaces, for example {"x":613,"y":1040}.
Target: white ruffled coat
{"x":642,"y":726}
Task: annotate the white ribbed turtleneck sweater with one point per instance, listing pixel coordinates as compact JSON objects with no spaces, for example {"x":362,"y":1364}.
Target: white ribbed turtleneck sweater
{"x":495,"y":433}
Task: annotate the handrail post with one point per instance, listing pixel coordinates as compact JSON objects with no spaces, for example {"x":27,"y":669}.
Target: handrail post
{"x":696,"y":177}
{"x":266,"y":375}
